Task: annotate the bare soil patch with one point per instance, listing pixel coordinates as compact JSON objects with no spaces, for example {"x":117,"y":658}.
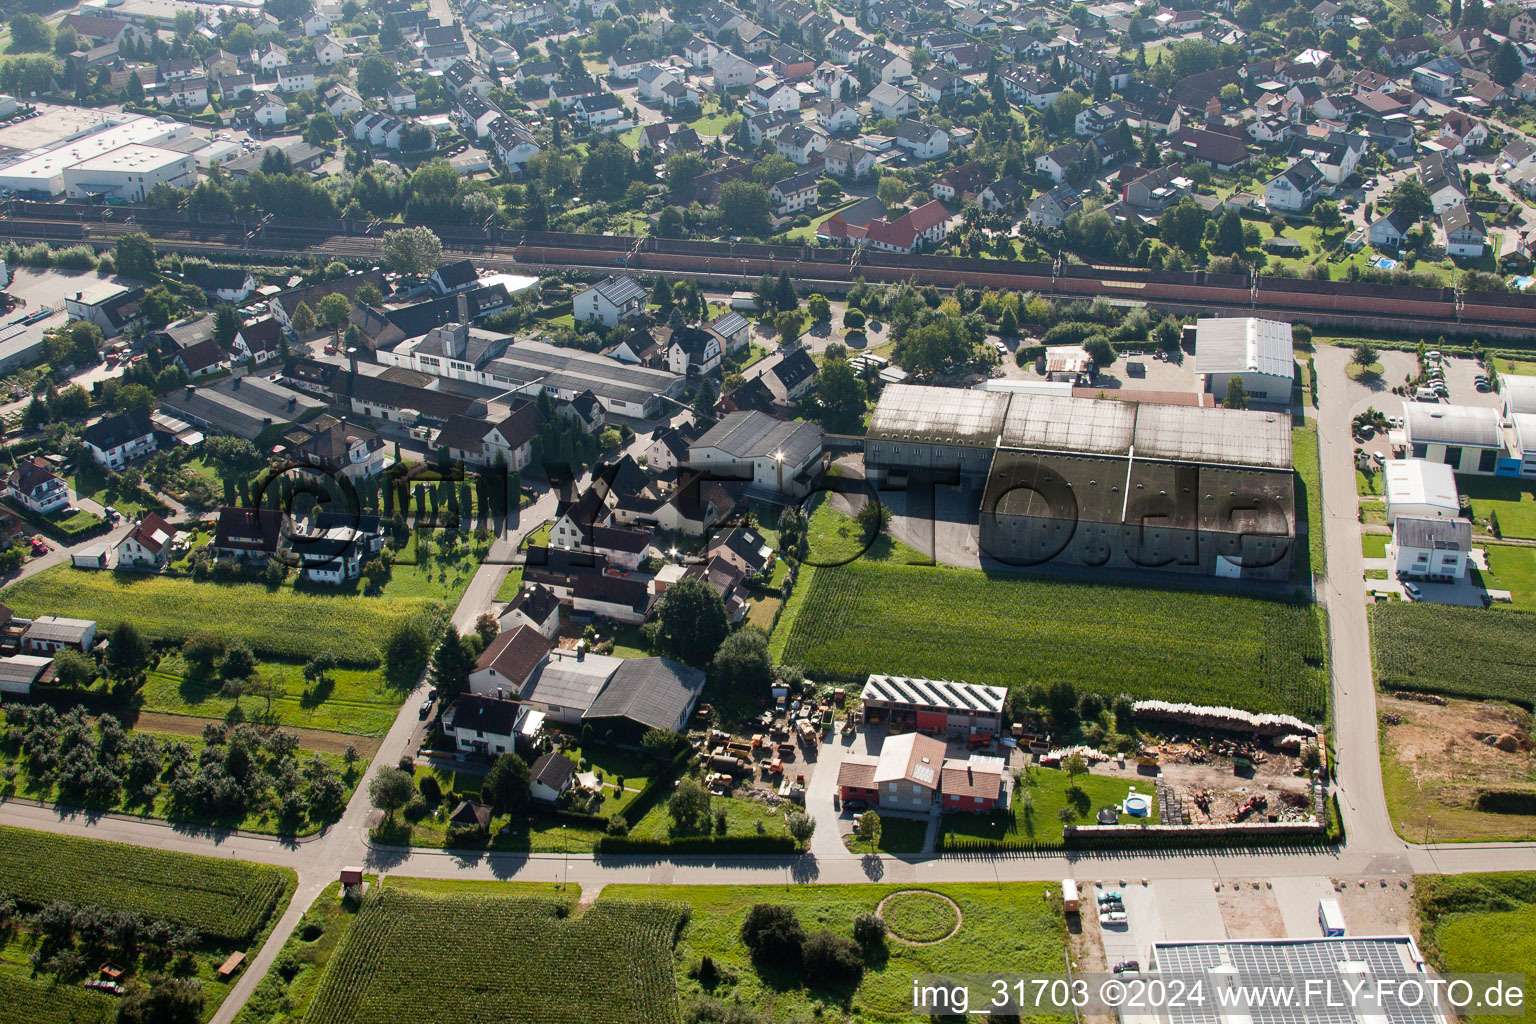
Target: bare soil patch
{"x":1249,"y":912}
{"x":1376,"y":909}
{"x":309,"y":739}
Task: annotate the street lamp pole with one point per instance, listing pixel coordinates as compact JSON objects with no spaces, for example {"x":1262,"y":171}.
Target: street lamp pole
{"x":565,"y":858}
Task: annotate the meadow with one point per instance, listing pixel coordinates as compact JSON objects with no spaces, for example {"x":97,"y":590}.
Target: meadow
{"x":1010,"y":928}
{"x":275,"y":623}
{"x":1463,"y":652}
{"x":1478,"y":923}
{"x":1005,"y":630}
{"x":360,"y":702}
{"x":611,"y":964}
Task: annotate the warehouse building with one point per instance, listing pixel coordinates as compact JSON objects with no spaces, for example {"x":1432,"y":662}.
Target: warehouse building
{"x":1256,"y":352}
{"x":1127,"y":485}
{"x":1421,"y":490}
{"x":939,"y":431}
{"x":41,"y":169}
{"x":564,"y":373}
{"x":1468,"y":438}
{"x":242,"y":406}
{"x":780,"y":457}
{"x":934,"y":705}
{"x":129,"y":172}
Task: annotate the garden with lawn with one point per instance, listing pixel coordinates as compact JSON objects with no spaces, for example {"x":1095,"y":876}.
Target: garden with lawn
{"x":1043,"y":800}
{"x":1511,"y":567}
{"x":1512,"y":500}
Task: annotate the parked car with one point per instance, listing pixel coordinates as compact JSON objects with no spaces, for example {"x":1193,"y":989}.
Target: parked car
{"x":856,"y":805}
{"x":1413,"y":591}
{"x":1127,"y":967}
{"x":425,"y":710}
{"x":1483,"y":387}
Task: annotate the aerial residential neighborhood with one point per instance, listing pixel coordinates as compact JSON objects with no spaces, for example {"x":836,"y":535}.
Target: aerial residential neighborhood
{"x":762,"y":512}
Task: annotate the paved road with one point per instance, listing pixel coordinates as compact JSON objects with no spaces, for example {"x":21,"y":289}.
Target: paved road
{"x":1372,"y":848}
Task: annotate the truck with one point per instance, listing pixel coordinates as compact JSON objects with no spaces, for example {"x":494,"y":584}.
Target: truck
{"x":1330,"y":917}
{"x":1069,"y":897}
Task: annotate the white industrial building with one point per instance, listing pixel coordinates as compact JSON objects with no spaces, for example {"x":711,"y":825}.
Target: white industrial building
{"x":1467,"y":438}
{"x":1420,"y":489}
{"x":129,"y":172}
{"x":42,"y":171}
{"x":1257,"y":352}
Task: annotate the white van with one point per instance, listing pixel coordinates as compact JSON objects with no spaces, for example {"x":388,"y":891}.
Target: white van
{"x":1426,"y":395}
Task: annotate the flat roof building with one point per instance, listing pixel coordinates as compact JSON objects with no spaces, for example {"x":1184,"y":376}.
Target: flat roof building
{"x":129,"y":172}
{"x":1423,"y":490}
{"x":243,"y":406}
{"x":1258,"y":353}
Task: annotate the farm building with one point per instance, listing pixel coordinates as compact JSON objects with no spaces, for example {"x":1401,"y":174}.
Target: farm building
{"x":934,"y":705}
{"x":1256,"y":352}
{"x":50,"y":633}
{"x":933,"y":430}
{"x":20,"y":672}
{"x":625,"y":695}
{"x":1467,"y":438}
{"x":779,"y":457}
{"x":1423,"y":490}
{"x":1175,"y":488}
{"x":509,"y":659}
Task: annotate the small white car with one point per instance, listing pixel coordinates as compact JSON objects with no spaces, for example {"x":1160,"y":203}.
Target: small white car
{"x":1413,"y":591}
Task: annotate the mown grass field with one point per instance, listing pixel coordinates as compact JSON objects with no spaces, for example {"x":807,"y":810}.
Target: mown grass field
{"x":1511,"y":567}
{"x":1034,"y":820}
{"x":279,"y":623}
{"x":611,"y":964}
{"x":1513,"y":500}
{"x":1464,"y":652}
{"x":225,"y":900}
{"x":1309,"y":497}
{"x":948,"y":623}
{"x":1008,"y":928}
{"x":1479,"y":923}
{"x":360,"y":702}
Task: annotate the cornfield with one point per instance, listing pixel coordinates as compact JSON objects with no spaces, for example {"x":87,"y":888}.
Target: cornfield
{"x":227,"y":901}
{"x":1462,"y":652}
{"x":25,"y":1001}
{"x":405,"y":959}
{"x":945,"y":623}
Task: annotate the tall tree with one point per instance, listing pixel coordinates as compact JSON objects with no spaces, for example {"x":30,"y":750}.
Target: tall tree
{"x":690,"y":622}
{"x":414,"y":252}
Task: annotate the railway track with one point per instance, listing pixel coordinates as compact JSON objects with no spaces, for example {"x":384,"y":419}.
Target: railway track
{"x":1411,"y":311}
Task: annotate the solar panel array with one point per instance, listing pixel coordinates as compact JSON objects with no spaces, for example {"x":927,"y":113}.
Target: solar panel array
{"x":936,"y":693}
{"x":1317,"y":958}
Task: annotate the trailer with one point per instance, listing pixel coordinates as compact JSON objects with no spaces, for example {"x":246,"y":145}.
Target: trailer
{"x":1331,"y":918}
{"x":1069,"y":897}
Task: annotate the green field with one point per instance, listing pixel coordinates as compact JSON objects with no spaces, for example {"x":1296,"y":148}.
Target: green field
{"x":1034,"y":820}
{"x":1374,"y":545}
{"x":225,"y":900}
{"x":1513,"y":568}
{"x":279,"y":623}
{"x":360,"y":702}
{"x":947,"y":623}
{"x":284,"y":993}
{"x":1463,"y":652}
{"x":1513,"y":500}
{"x":1479,"y":923}
{"x":608,"y":965}
{"x":1309,"y":495}
{"x":1009,"y":928}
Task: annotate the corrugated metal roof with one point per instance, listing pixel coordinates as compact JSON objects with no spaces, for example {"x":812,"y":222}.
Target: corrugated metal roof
{"x":1438,"y":534}
{"x":1519,"y":391}
{"x":913,"y":412}
{"x":1058,"y":423}
{"x":1228,"y":437}
{"x":935,"y":693}
{"x":1243,"y":344}
{"x":1469,"y":426}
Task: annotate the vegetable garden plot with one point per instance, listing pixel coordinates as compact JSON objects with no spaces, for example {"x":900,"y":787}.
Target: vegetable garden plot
{"x":610,"y":965}
{"x":947,"y":623}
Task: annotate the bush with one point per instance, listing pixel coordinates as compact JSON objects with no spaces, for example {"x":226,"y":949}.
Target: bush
{"x":617,"y":826}
{"x":431,"y":792}
{"x":829,"y":958}
{"x":773,"y":933}
{"x":1073,"y":332}
{"x":868,"y":929}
